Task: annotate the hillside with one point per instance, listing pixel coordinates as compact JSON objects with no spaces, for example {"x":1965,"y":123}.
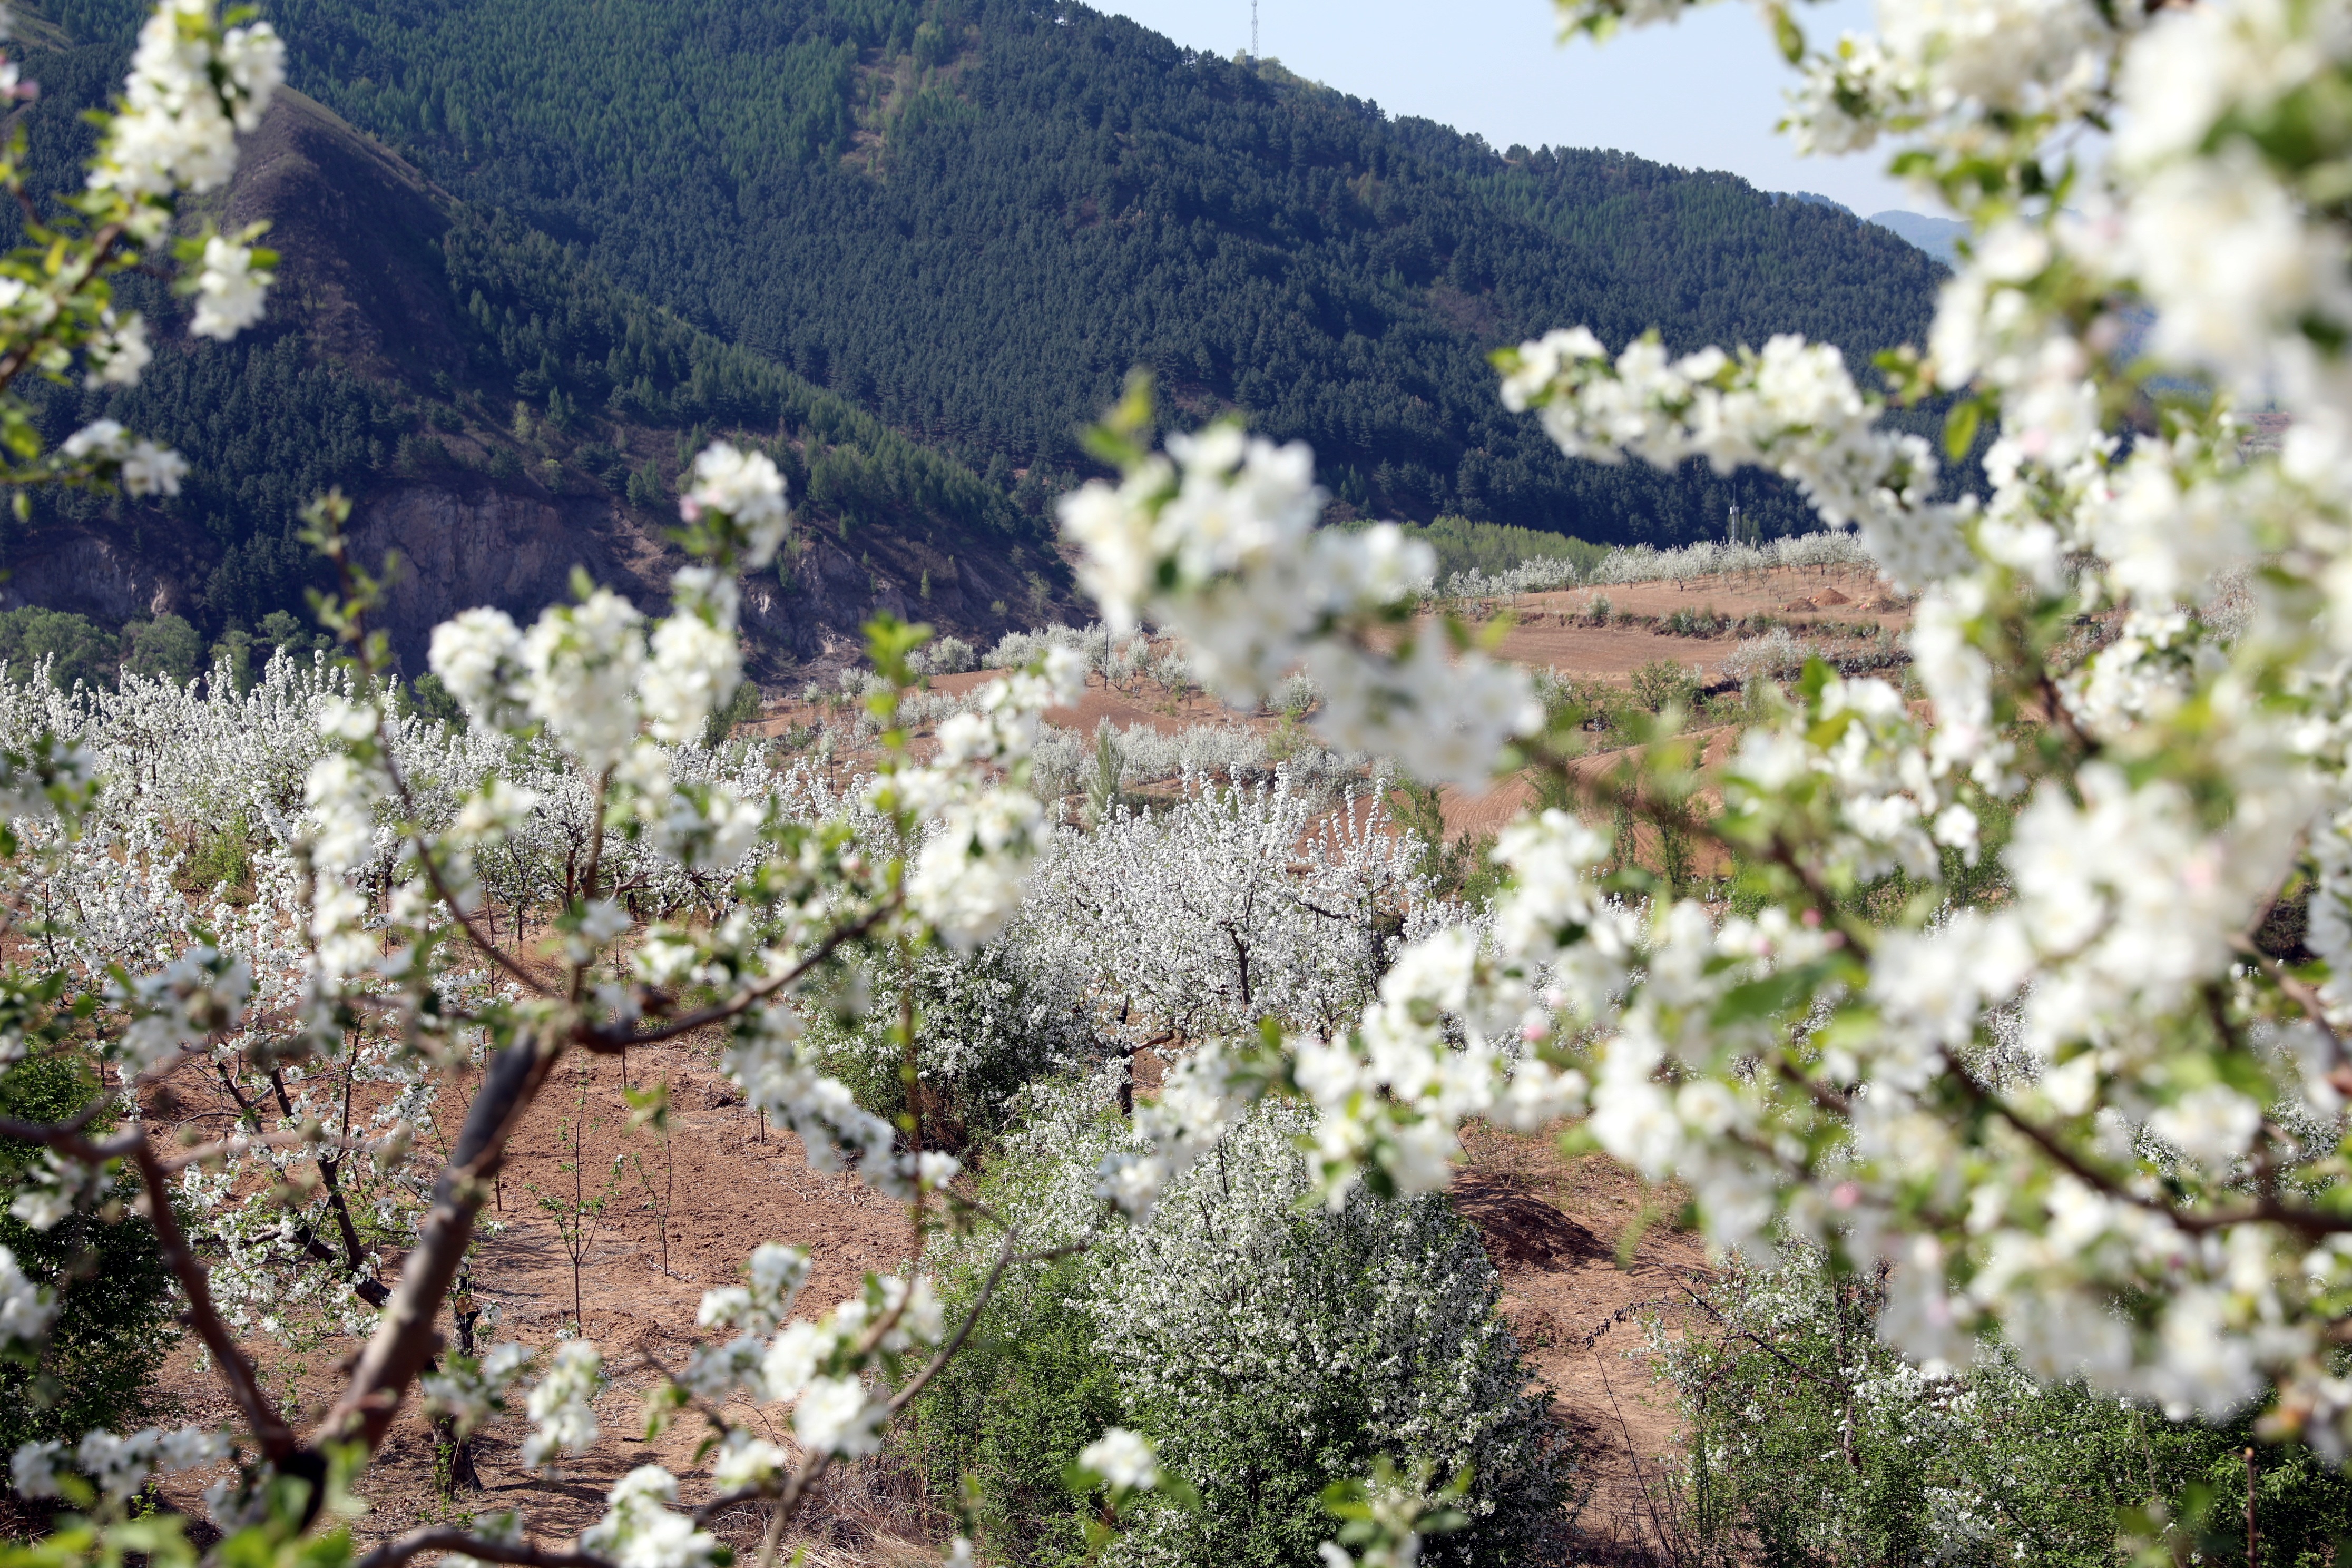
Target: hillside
{"x":418,"y":352}
{"x":975,"y":216}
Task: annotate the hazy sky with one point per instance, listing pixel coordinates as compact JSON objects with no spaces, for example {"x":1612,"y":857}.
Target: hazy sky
{"x":1702,"y":94}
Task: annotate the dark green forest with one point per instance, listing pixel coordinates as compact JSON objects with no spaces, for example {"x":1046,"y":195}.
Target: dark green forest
{"x":546,"y":340}
{"x":973,"y":216}
{"x":913,"y":247}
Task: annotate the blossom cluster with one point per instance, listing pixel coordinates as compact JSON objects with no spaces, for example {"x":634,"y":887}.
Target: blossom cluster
{"x":119,"y":1466}
{"x":1218,"y":542}
{"x":1793,"y":408}
{"x":25,"y":1309}
{"x":562,"y":1405}
{"x":824,"y":1368}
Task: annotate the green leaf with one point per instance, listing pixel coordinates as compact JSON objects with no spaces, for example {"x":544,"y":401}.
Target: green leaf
{"x":1773,"y":994}
{"x":1786,"y":33}
{"x":889,"y":641}
{"x":1961,"y":427}
{"x":1119,"y":440}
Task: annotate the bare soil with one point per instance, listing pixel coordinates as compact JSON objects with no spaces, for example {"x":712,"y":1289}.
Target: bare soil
{"x":1553,"y":1228}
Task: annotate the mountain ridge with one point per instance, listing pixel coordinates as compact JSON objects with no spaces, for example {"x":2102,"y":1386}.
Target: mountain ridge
{"x":975,"y":216}
{"x":475,"y":371}
{"x":382,"y":298}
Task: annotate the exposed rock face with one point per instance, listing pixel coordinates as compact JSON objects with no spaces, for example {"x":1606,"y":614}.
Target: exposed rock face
{"x":109,"y":573}
{"x":461,"y":545}
{"x":478,"y":545}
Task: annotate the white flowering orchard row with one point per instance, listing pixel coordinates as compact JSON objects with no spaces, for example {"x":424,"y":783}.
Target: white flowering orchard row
{"x":1647,"y":563}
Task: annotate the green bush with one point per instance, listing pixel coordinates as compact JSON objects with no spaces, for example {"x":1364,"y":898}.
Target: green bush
{"x":1266,"y":1350}
{"x":1493,"y":548}
{"x":1812,"y":1443}
{"x":82,"y":651}
{"x":984,"y":1027}
{"x":218,"y":857}
{"x":1030,"y":1388}
{"x":1662,"y":684}
{"x":428,"y":696}
{"x":742,"y":709}
{"x":116,"y":1298}
{"x":166,"y":648}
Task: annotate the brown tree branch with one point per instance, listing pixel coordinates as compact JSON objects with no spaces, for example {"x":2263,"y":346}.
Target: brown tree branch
{"x":2309,"y":1223}
{"x":404,"y":1338}
{"x":271,"y":1432}
{"x":607,"y":1042}
{"x":393,"y":1553}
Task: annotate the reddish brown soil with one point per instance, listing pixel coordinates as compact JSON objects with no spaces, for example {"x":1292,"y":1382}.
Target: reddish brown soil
{"x":1556,"y":1229}
{"x":1777,"y":593}
{"x":1552,"y":1227}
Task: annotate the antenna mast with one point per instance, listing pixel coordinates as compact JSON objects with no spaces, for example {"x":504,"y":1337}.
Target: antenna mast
{"x":1253,"y":31}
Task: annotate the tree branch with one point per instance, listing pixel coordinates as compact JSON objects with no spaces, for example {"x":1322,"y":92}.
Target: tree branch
{"x":2302,"y":992}
{"x":393,"y":1553}
{"x":2310,"y":1224}
{"x":271,"y":1432}
{"x":606,"y":1042}
{"x":404,"y":1337}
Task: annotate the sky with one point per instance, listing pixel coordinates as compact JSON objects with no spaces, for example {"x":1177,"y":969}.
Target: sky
{"x":1704,"y":93}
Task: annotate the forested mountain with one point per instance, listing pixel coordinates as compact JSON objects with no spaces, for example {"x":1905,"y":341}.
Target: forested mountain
{"x":973,"y":216}
{"x":537,"y":251}
{"x":502,"y":410}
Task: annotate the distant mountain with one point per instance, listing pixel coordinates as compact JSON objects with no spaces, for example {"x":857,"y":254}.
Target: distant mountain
{"x":971,"y":217}
{"x":538,"y":251}
{"x":431,"y":359}
{"x":1936,"y":236}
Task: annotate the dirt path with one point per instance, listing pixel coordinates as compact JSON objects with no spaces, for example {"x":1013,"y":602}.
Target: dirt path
{"x":1554,"y":1228}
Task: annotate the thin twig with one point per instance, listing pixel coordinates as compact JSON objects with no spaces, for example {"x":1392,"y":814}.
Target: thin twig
{"x":606,"y":1042}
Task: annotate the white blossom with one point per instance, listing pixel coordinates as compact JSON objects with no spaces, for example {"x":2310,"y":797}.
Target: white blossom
{"x":27,"y":1309}
{"x":1122,"y":1458}
{"x":639,"y":1531}
{"x":230,"y":291}
{"x":562,"y":1405}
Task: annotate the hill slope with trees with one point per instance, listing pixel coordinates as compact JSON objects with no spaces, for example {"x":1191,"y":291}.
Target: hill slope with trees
{"x":975,"y":216}
{"x":502,"y":410}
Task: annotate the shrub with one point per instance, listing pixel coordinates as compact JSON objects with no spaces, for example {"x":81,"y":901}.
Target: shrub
{"x":947,"y":656}
{"x":1265,"y":1350}
{"x":166,"y":648}
{"x":1663,"y":683}
{"x":1810,"y":1443}
{"x":985,"y":1024}
{"x":79,"y":650}
{"x":428,"y":696}
{"x":1030,"y":1390}
{"x":740,"y":710}
{"x":116,"y":1298}
{"x":218,"y":857}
